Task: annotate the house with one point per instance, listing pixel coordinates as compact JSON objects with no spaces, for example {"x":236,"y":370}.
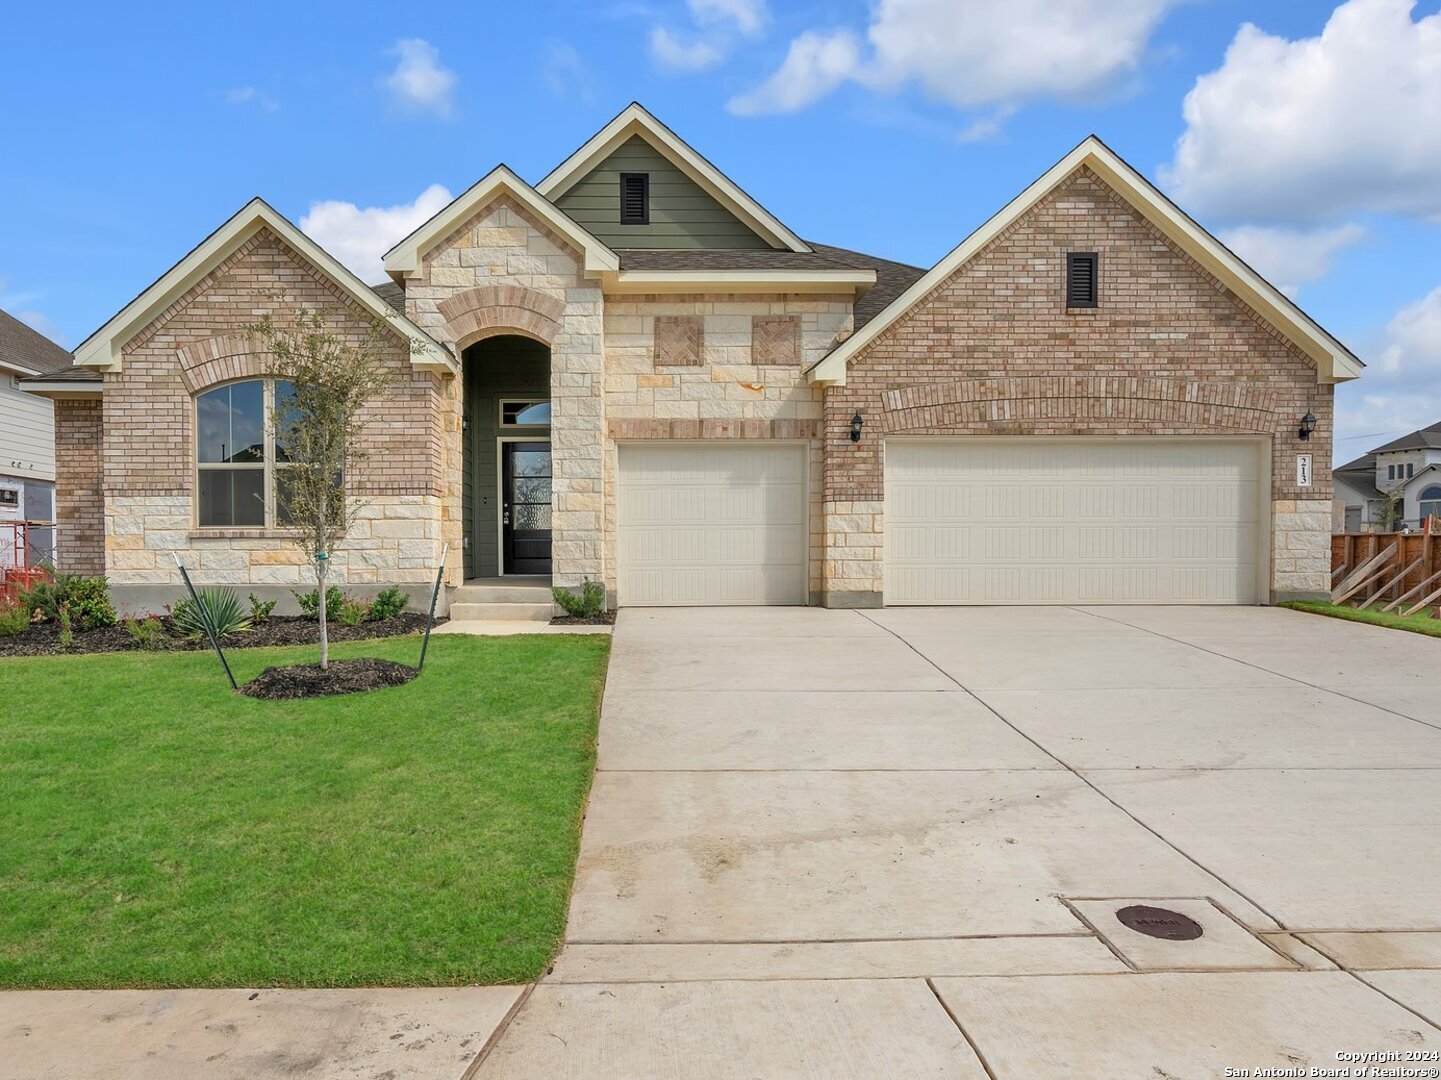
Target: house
{"x":27,"y":444}
{"x":1393,"y":488}
{"x":633,"y":372}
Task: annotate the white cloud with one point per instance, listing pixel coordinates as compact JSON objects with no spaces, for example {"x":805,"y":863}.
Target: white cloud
{"x":974,"y":54}
{"x":1288,"y":258}
{"x":1310,"y":129}
{"x":19,"y":304}
{"x":672,"y":55}
{"x":1401,"y":390}
{"x":419,"y":81}
{"x":749,"y":16}
{"x":249,"y":95}
{"x":814,"y":66}
{"x":359,"y":236}
{"x":565,"y":73}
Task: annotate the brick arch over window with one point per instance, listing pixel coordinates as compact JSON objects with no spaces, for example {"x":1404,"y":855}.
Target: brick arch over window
{"x":1040,"y":405}
{"x":489,"y":310}
{"x":222,"y":359}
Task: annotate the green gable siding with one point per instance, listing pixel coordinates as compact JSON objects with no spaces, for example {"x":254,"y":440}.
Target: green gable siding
{"x":682,"y":215}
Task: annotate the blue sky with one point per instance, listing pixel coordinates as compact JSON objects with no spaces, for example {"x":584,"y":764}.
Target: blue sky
{"x":1306,"y":134}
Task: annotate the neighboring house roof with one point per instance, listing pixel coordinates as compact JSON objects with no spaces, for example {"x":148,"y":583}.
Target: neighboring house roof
{"x":103,"y":348}
{"x":635,"y":120}
{"x":1360,"y":476}
{"x":1427,"y":438}
{"x":1417,"y":482}
{"x":1334,"y":362}
{"x":405,"y":257}
{"x":26,"y":350}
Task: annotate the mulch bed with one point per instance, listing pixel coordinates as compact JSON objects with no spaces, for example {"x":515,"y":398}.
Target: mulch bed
{"x":43,"y":639}
{"x":605,"y":618}
{"x":342,"y":677}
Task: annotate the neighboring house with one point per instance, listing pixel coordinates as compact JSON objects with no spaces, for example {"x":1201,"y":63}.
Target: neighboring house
{"x":633,"y":372}
{"x":1393,"y":488}
{"x":27,"y":444}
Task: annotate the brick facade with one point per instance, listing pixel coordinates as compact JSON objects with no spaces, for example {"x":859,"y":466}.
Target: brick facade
{"x":79,"y":487}
{"x":994,"y":351}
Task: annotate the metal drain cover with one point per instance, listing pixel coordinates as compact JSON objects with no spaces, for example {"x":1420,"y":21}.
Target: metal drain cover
{"x":1159,"y":922}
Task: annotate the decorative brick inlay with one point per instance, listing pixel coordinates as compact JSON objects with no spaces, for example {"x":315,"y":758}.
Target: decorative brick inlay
{"x":79,"y":495}
{"x":223,"y":358}
{"x":713,"y":429}
{"x":1098,"y":402}
{"x":775,"y":339}
{"x":489,"y":310}
{"x":678,"y":341}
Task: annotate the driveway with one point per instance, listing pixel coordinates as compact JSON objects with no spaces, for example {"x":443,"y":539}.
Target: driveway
{"x":892,"y":843}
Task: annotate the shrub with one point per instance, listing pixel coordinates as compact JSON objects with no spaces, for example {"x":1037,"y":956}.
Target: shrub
{"x":88,"y":599}
{"x":148,"y":633}
{"x":260,"y":609}
{"x":352,"y":612}
{"x":389,"y":603}
{"x":310,"y":602}
{"x":13,"y":618}
{"x":217,"y":608}
{"x":67,"y":635}
{"x":586,"y":604}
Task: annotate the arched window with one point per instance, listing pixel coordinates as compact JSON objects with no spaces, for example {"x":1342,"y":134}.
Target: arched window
{"x":1431,"y":502}
{"x":236,"y":455}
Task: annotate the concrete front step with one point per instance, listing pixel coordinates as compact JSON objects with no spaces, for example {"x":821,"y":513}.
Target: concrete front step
{"x":501,"y":594}
{"x":466,"y":612}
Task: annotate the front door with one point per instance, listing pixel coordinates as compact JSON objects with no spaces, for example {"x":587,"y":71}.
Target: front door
{"x":525,"y":507}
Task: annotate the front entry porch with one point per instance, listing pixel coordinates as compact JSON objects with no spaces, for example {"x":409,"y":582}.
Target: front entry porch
{"x":507,"y":481}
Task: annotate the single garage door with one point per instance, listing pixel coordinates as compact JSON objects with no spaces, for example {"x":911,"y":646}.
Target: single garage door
{"x":711,"y":524}
{"x":1057,"y":521}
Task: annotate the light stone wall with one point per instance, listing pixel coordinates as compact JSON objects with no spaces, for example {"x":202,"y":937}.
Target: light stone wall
{"x":734,"y":393}
{"x":1300,"y":549}
{"x":503,"y":244}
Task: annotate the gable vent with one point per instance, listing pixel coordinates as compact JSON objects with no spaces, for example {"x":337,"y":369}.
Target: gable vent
{"x":635,"y":198}
{"x":1081,"y":286}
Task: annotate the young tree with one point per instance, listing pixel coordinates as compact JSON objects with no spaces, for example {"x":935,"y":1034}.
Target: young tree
{"x":316,"y":419}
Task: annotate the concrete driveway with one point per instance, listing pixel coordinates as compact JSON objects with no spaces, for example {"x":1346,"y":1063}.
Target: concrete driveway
{"x":892,"y":843}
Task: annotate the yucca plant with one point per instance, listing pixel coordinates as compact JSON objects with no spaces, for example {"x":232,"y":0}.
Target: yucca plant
{"x":217,"y":609}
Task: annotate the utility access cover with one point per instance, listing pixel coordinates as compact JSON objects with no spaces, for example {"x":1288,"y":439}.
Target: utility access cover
{"x":1159,"y":922}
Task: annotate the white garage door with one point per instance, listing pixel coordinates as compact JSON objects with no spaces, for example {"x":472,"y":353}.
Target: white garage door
{"x":711,"y":524}
{"x":1056,"y":521}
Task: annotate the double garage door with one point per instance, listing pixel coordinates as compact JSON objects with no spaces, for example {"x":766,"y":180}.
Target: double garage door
{"x":967,"y":521}
{"x":1060,"y":521}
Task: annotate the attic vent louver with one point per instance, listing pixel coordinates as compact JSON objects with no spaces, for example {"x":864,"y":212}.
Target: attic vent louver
{"x":1081,"y":279}
{"x":635,"y":198}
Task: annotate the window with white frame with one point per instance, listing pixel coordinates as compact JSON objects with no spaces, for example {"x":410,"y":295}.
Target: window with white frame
{"x":527,"y":413}
{"x":1431,"y":502}
{"x":238,"y":461}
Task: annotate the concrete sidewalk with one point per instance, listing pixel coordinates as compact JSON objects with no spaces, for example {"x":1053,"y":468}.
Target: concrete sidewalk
{"x":892,"y":844}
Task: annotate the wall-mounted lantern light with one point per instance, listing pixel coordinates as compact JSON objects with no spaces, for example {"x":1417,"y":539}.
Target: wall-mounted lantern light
{"x":1308,"y":425}
{"x":856,"y":423}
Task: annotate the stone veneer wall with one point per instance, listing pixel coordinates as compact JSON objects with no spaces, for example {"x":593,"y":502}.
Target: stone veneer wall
{"x":994,"y":351}
{"x":149,"y":451}
{"x":745,"y":386}
{"x":503,"y":271}
{"x":79,"y":492}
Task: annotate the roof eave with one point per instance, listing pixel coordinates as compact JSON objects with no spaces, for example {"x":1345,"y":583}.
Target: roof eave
{"x":62,"y":388}
{"x":856,"y":282}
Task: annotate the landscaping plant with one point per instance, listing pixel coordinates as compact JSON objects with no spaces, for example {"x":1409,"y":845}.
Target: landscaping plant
{"x":353,"y":612}
{"x":389,"y":603}
{"x":260,"y":609}
{"x":13,"y":618}
{"x":317,"y":423}
{"x":217,"y":609}
{"x":148,"y":633}
{"x":309,"y":603}
{"x":586,"y":604}
{"x":88,"y":599}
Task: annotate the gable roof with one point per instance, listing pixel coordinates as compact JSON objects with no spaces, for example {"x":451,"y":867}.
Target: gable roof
{"x":26,"y":350}
{"x":405,"y":257}
{"x":635,"y":120}
{"x":1334,"y":362}
{"x":1426,"y":438}
{"x":102,"y":349}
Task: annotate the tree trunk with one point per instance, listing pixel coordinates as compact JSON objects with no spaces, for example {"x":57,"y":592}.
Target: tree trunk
{"x":320,"y":573}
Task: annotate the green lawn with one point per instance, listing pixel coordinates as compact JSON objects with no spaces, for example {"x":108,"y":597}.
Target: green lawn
{"x":158,"y":830}
{"x":1420,"y":623}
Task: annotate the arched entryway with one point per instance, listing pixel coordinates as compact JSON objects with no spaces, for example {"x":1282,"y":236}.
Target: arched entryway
{"x":506,"y":488}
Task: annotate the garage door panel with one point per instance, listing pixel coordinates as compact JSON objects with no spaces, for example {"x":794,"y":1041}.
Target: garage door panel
{"x":711,"y":524}
{"x":1053,"y":521}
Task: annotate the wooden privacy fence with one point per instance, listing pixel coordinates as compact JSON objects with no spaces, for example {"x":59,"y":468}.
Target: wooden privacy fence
{"x":1399,"y":572}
